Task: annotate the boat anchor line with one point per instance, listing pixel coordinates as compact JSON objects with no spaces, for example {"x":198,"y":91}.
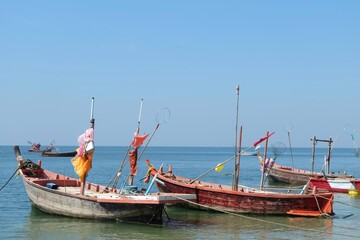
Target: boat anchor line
{"x":25,"y":164}
{"x":265,"y":221}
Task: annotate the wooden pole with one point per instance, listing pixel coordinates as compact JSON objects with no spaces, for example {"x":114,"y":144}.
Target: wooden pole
{"x":92,"y":124}
{"x":328,"y":157}
{"x":264,"y":160}
{"x":236,"y":138}
{"x":237,"y":165}
{"x":313,"y":154}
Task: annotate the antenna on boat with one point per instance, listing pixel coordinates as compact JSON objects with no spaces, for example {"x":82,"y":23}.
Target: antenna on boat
{"x":140,"y":111}
{"x":288,"y":127}
{"x":350,"y":130}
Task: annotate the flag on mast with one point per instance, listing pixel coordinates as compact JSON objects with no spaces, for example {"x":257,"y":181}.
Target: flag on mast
{"x":262,"y":139}
{"x":138,"y":140}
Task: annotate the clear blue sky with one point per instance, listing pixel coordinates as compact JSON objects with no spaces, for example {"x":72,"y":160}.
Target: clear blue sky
{"x":295,"y":61}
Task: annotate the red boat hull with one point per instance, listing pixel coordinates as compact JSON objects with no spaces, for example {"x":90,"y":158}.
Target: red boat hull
{"x":339,"y":185}
{"x":246,"y":200}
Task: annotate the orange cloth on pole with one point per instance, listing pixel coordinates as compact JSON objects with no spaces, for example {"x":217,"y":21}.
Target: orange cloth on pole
{"x":133,"y":161}
{"x":138,"y":140}
{"x":82,"y":165}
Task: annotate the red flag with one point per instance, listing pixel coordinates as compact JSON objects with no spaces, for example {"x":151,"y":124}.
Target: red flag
{"x":138,"y":140}
{"x":262,"y":139}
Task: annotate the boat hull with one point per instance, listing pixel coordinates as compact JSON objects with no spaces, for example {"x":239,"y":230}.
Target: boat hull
{"x":58,"y":154}
{"x":283,"y":174}
{"x":50,"y":201}
{"x":247,"y":200}
{"x":288,"y":175}
{"x":341,"y":185}
{"x":59,"y":194}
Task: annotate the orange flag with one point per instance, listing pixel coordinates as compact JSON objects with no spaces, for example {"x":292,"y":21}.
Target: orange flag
{"x":138,"y":140}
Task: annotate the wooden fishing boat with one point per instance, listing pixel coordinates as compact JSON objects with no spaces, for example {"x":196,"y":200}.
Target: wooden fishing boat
{"x":58,"y":194}
{"x":241,"y":199}
{"x":283,"y":174}
{"x":340,"y":185}
{"x":310,"y":203}
{"x":58,"y":154}
{"x":279,"y":173}
{"x":36,"y":147}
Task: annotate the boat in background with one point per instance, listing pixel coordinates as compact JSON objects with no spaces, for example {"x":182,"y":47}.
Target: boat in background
{"x":279,"y":173}
{"x":36,"y":147}
{"x":58,"y":154}
{"x":339,"y":185}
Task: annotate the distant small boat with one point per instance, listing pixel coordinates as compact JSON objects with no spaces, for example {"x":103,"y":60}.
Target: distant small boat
{"x":58,"y":154}
{"x":36,"y":147}
{"x":249,"y":153}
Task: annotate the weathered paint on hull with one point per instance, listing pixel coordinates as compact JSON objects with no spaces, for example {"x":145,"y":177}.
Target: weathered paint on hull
{"x":55,"y":203}
{"x":288,"y":176}
{"x":279,"y":173}
{"x":250,"y":202}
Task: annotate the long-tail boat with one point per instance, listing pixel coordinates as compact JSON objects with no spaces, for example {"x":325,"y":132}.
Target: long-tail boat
{"x":279,"y":173}
{"x":63,"y":195}
{"x":58,"y":154}
{"x":311,"y":203}
{"x":241,"y":199}
{"x":58,"y":194}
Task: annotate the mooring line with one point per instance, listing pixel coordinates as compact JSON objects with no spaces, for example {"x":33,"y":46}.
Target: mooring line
{"x":264,"y":221}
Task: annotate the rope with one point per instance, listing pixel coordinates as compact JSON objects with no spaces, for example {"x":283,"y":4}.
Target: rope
{"x":306,"y":230}
{"x":25,"y":164}
{"x":9,"y":179}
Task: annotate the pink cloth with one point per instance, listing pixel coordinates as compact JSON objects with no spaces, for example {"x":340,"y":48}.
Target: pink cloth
{"x":84,"y":138}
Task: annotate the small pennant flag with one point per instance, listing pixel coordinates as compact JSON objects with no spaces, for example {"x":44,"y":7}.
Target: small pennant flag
{"x":263,"y":139}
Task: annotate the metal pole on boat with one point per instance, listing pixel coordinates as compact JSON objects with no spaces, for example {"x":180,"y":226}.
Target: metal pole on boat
{"x":141,"y":104}
{"x":92,"y":125}
{"x":264,"y":160}
{"x":313,"y":154}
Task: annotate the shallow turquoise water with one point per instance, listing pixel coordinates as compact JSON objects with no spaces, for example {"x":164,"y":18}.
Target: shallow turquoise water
{"x":18,"y":220}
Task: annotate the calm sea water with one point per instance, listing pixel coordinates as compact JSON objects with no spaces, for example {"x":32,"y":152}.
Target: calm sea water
{"x":18,"y":220}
